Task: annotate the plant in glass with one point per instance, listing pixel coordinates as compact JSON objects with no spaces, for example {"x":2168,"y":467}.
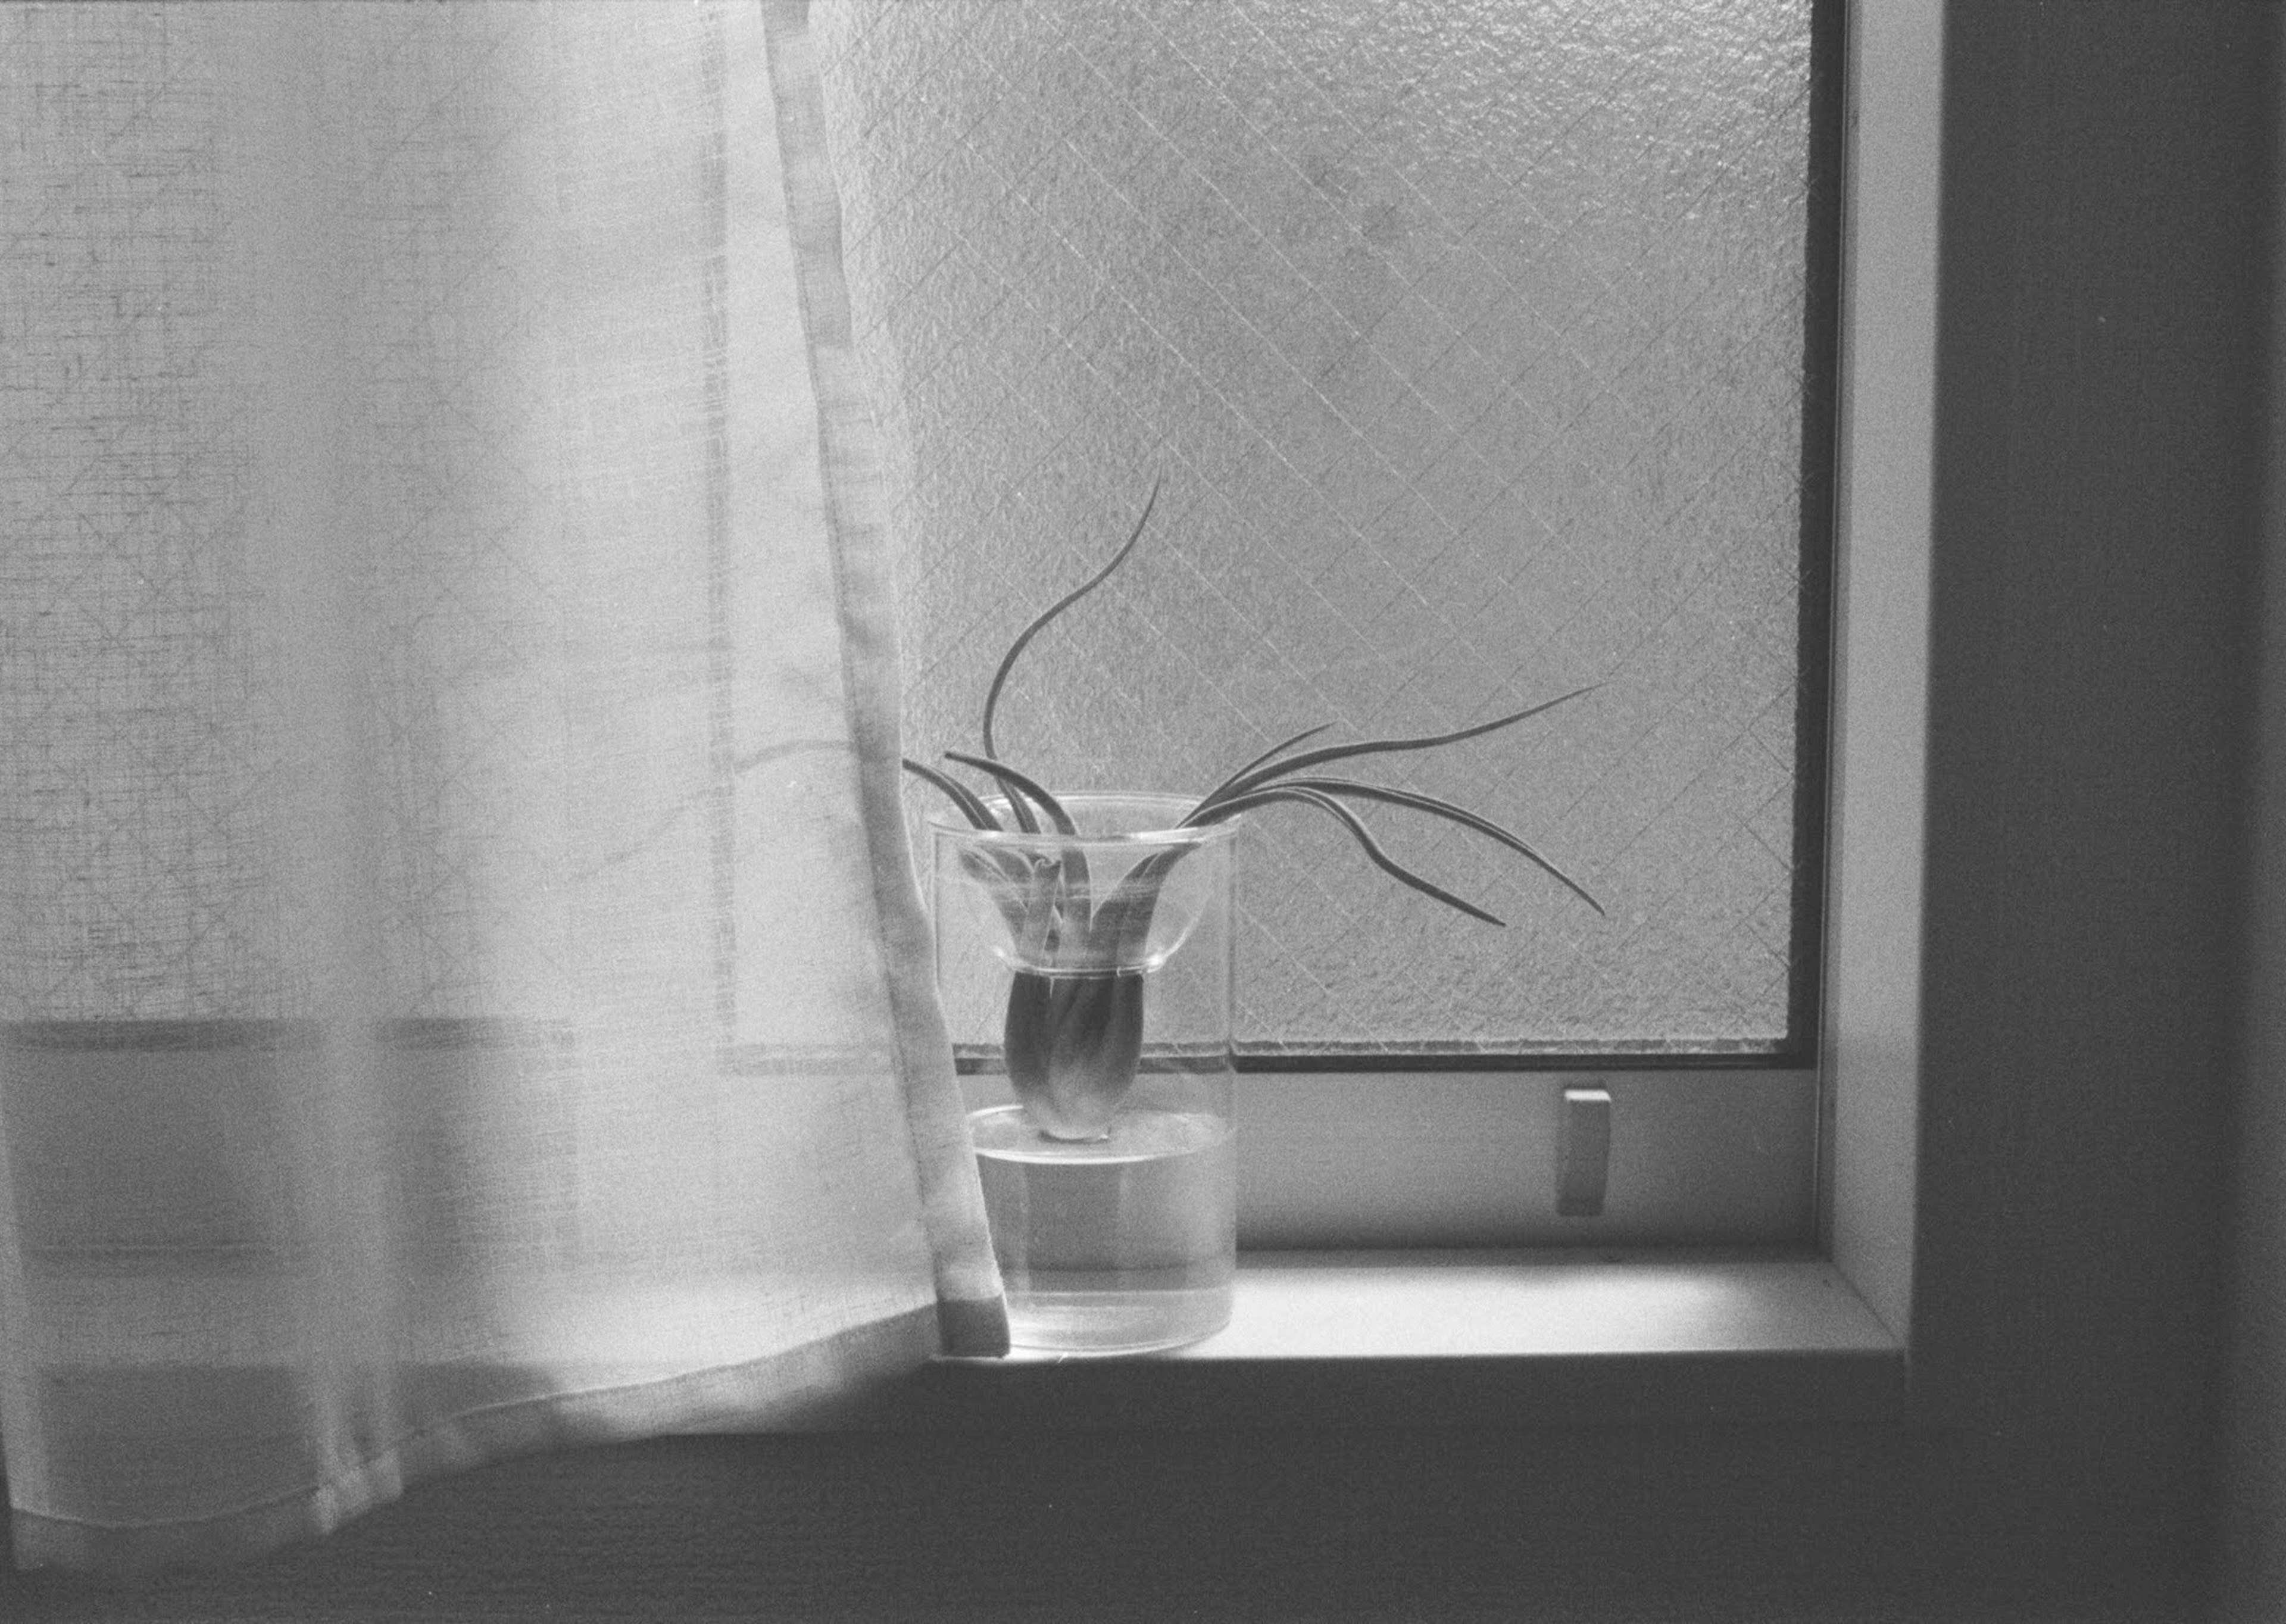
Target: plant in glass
{"x":1093,"y":929}
{"x":1081,"y":940}
{"x":1096,"y":930}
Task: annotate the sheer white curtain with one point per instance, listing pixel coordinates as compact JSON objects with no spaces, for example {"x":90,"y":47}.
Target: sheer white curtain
{"x":462,"y":983}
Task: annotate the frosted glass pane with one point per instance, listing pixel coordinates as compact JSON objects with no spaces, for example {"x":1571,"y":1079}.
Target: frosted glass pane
{"x":1469,"y":339}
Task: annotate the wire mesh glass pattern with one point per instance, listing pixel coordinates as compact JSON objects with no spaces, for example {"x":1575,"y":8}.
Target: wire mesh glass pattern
{"x":1468,"y":339}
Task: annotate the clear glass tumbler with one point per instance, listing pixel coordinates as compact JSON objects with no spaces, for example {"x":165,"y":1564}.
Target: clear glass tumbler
{"x":1087,"y":982}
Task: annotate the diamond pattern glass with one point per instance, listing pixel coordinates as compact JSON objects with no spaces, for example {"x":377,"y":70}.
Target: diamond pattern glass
{"x":1467,"y":338}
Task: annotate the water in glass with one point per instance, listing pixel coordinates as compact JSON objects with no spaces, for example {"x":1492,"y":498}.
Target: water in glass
{"x":1115,"y":1246}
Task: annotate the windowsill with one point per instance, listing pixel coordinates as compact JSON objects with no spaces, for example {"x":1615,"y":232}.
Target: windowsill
{"x":1471,"y":1338}
{"x":1460,"y":1337}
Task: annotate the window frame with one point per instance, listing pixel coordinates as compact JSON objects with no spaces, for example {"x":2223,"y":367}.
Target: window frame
{"x":1707,"y":1149}
{"x":1814,"y":1330}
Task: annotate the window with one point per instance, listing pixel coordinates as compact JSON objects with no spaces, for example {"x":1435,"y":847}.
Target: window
{"x":1486,"y":351}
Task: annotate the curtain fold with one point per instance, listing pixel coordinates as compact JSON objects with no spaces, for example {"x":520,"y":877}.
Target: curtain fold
{"x":462,"y":983}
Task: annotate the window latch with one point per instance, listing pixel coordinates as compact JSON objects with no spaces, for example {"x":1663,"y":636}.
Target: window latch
{"x":1584,"y":1149}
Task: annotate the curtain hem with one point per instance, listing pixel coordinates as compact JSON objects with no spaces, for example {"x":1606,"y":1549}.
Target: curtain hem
{"x":800,"y":1384}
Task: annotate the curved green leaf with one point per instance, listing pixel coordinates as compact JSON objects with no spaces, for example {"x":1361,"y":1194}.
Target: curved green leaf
{"x":972,"y":805}
{"x":1268,"y":756}
{"x":1444,"y":809}
{"x":1381,"y":859}
{"x":1008,"y":660}
{"x":1018,"y":784}
{"x":1125,"y":915}
{"x":1255,"y":779}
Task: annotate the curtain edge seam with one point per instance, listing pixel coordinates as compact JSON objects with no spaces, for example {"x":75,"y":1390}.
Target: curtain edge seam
{"x":953,"y":1207}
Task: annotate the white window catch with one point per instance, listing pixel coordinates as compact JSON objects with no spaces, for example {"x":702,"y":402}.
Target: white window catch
{"x":1584,"y":1152}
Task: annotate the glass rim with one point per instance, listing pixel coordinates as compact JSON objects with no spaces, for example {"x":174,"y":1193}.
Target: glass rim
{"x":946,"y":822}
